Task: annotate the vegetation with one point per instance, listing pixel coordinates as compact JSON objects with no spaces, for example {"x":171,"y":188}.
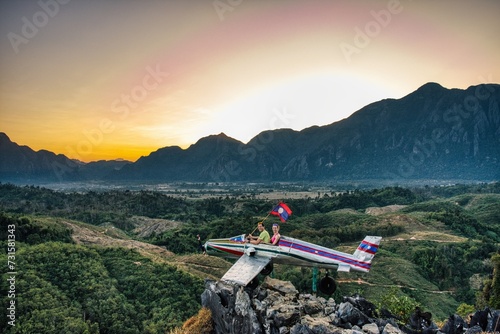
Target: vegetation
{"x":398,"y":304}
{"x":440,"y":251}
{"x":69,"y":288}
{"x":490,"y":295}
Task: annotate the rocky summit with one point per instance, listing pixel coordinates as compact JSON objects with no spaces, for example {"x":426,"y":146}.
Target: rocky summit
{"x":276,"y":307}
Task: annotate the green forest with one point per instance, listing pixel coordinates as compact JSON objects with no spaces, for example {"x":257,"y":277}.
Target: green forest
{"x":440,"y":250}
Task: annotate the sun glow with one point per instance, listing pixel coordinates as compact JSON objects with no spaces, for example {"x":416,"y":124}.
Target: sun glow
{"x":315,"y":99}
{"x":91,"y":85}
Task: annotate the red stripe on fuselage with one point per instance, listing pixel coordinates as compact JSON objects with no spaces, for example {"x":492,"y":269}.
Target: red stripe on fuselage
{"x":226,"y":250}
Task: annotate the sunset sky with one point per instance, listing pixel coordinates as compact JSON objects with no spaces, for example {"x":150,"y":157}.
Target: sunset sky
{"x":105,"y":79}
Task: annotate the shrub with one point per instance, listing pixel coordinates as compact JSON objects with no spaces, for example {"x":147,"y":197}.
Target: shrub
{"x":464,"y":310}
{"x":398,"y":304}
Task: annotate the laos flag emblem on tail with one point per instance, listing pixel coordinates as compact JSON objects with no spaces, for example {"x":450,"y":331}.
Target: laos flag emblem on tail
{"x":282,"y":211}
{"x":238,"y":238}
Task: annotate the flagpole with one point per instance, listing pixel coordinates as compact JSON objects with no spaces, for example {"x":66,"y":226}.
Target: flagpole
{"x":263,"y":220}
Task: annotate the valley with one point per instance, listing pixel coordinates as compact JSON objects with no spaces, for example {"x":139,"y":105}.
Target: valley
{"x":436,"y":247}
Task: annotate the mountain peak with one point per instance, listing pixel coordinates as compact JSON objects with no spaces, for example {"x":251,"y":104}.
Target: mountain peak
{"x":430,"y":87}
{"x":4,"y":137}
{"x":216,"y":138}
{"x":223,"y":135}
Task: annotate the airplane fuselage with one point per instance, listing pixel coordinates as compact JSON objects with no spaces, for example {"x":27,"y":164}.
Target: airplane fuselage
{"x":296,"y":252}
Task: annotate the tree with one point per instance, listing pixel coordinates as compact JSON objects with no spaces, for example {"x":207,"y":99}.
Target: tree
{"x":494,"y":300}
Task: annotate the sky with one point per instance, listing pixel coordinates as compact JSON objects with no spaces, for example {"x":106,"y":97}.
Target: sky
{"x":104,"y":79}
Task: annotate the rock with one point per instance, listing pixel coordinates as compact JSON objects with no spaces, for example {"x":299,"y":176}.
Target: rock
{"x":480,"y":318}
{"x":283,"y":287}
{"x":313,"y":307}
{"x":370,"y":328}
{"x":455,"y":324}
{"x":390,"y":329}
{"x":362,"y":304}
{"x":277,"y":308}
{"x":474,"y":330}
{"x":231,"y":309}
{"x":284,"y":330}
{"x":287,"y":316}
{"x":301,"y":329}
{"x":349,"y":314}
{"x":319,"y":325}
{"x":494,"y":322}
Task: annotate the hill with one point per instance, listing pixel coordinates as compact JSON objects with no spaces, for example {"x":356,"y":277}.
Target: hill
{"x":433,"y":133}
{"x":435,"y":253}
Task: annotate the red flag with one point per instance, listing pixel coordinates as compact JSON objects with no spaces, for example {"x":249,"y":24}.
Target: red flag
{"x":282,"y":211}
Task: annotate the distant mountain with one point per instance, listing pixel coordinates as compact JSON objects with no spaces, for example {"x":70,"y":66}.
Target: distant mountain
{"x":432,"y":133}
{"x":98,"y":170}
{"x":206,"y":160}
{"x":22,"y":164}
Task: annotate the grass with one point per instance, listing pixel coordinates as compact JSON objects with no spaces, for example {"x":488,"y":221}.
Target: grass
{"x":388,"y":270}
{"x":200,"y":323}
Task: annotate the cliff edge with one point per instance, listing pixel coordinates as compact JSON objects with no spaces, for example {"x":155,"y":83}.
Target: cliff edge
{"x":276,"y":307}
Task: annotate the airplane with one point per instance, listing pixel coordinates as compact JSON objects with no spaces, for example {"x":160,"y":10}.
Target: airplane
{"x":254,"y":259}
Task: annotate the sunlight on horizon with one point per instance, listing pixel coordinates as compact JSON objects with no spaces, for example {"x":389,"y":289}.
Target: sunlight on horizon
{"x":90,"y":85}
{"x":301,"y":102}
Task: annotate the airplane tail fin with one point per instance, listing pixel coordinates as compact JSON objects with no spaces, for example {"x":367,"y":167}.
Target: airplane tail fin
{"x":367,"y":248}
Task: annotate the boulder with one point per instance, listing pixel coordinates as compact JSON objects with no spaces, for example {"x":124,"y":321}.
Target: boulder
{"x":277,"y":308}
{"x":283,"y":287}
{"x":348,"y":314}
{"x":391,"y":329}
{"x":231,"y":308}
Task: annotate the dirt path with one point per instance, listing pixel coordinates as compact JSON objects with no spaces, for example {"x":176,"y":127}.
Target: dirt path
{"x":361,"y":281}
{"x":87,"y":236}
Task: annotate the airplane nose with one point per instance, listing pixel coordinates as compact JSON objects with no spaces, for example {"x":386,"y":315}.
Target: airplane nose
{"x":208,"y":247}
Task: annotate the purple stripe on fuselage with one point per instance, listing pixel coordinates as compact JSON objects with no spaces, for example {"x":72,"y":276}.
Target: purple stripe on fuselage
{"x":333,"y":256}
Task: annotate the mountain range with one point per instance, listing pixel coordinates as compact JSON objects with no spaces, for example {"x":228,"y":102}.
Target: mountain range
{"x":432,"y":133}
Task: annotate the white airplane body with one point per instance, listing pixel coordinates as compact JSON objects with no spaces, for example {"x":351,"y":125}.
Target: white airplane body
{"x":254,"y":258}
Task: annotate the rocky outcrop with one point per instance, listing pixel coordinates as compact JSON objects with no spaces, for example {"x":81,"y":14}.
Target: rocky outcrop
{"x":276,"y":307}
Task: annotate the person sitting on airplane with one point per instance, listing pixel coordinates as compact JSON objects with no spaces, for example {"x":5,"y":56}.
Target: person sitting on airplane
{"x":275,"y":239}
{"x":263,"y":236}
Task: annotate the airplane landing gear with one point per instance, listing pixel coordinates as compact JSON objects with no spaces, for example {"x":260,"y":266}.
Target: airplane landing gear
{"x":253,"y":283}
{"x":327,"y":285}
{"x":268,"y":269}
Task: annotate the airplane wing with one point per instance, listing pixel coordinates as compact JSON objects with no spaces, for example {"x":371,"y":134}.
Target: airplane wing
{"x":245,"y":269}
